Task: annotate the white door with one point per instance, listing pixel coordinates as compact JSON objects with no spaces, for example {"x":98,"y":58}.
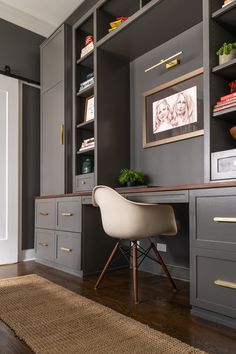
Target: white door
{"x":9,"y":169}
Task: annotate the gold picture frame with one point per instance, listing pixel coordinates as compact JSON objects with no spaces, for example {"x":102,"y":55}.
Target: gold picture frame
{"x":174,"y":111}
{"x":89,"y":109}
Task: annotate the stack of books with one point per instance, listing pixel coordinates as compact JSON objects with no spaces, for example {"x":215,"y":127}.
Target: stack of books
{"x":225,"y":102}
{"x":87,"y":144}
{"x":89,"y":81}
{"x":89,"y":46}
{"x":227,"y":2}
{"x":116,"y":23}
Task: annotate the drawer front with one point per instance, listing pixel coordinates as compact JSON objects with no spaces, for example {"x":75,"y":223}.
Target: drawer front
{"x":214,"y":281}
{"x":68,"y":250}
{"x":160,"y":197}
{"x":45,"y":214}
{"x":84,"y":182}
{"x":45,"y":244}
{"x":69,"y":214}
{"x":215,"y":221}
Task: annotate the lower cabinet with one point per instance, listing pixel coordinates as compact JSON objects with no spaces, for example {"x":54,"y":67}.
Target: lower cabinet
{"x":213,"y":254}
{"x":58,"y":233}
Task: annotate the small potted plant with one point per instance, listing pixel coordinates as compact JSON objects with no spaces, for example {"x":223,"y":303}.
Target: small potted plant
{"x":226,"y":52}
{"x":130,"y":177}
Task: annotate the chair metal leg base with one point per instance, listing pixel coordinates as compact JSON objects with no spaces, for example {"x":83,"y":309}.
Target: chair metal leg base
{"x":107,"y":264}
{"x":135,"y":271}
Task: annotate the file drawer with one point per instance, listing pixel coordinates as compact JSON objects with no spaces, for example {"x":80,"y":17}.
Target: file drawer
{"x":69,"y":214}
{"x":68,"y":250}
{"x":215,"y":275}
{"x":44,"y":244}
{"x":45,"y":214}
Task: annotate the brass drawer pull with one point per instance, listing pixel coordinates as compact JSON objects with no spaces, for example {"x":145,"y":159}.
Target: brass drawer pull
{"x":43,"y":244}
{"x":65,"y":249}
{"x":226,"y":284}
{"x":223,"y":219}
{"x":44,"y":213}
{"x":62,"y":134}
{"x":67,"y":214}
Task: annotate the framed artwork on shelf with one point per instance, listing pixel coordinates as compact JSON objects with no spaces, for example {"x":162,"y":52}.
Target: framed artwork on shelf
{"x":174,"y":111}
{"x":89,"y":109}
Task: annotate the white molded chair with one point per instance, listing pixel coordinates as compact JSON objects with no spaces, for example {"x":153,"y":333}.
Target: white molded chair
{"x":127,"y":220}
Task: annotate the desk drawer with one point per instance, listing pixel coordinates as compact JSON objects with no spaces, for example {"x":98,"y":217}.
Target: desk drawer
{"x":44,"y":244}
{"x":69,"y":214}
{"x":214,"y":275}
{"x":68,"y":250}
{"x":45,"y":214}
{"x":216,"y":220}
{"x":159,"y":197}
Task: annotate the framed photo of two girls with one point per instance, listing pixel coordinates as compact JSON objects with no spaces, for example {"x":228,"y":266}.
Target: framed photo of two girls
{"x":174,"y":111}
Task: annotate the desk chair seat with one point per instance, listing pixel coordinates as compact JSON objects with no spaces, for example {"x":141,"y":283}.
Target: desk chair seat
{"x":127,"y":220}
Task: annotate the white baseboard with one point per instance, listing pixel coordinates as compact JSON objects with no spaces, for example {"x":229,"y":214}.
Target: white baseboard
{"x":27,"y":255}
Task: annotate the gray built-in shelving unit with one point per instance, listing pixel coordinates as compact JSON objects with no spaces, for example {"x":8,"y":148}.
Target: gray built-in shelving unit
{"x":219,"y":27}
{"x":110,"y":61}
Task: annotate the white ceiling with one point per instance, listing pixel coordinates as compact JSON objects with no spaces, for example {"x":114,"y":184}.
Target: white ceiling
{"x":39,"y":16}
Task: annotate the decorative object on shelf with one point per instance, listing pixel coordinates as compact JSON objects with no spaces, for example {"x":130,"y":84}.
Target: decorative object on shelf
{"x":130,"y":177}
{"x":89,"y":46}
{"x":232,"y":86}
{"x":87,"y":166}
{"x":89,"y":109}
{"x":87,"y":144}
{"x":233,"y":132}
{"x":169,"y":117}
{"x":225,"y":102}
{"x":88,"y":82}
{"x":169,"y":62}
{"x":116,"y":23}
{"x":227,"y":2}
{"x":226,"y":52}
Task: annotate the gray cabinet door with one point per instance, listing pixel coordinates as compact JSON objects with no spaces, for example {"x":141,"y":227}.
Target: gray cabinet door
{"x":52,"y":60}
{"x":52,"y":149}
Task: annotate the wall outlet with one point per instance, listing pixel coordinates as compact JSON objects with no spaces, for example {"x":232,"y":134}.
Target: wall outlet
{"x":161,"y":247}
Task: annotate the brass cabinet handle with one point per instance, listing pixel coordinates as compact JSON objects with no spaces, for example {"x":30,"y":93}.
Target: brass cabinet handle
{"x":62,"y":134}
{"x":44,"y":213}
{"x":223,"y":219}
{"x":67,"y":214}
{"x":43,"y":244}
{"x":65,"y":249}
{"x":226,"y":284}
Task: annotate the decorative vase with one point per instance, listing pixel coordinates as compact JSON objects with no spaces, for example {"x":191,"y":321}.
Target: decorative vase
{"x":233,"y":132}
{"x":87,"y":166}
{"x":130,"y":184}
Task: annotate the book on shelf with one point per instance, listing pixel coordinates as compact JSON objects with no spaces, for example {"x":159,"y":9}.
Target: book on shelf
{"x":228,"y":97}
{"x":116,"y":23}
{"x":217,"y":109}
{"x":86,"y":83}
{"x":87,"y":144}
{"x":224,"y":103}
{"x":87,"y":49}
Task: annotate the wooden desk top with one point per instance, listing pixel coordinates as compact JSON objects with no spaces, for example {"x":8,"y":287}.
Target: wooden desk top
{"x":149,"y":189}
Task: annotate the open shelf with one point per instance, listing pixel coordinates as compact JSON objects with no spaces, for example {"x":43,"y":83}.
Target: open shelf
{"x":86,"y":92}
{"x":227,"y":114}
{"x":86,"y":60}
{"x":226,"y":15}
{"x":129,"y":41}
{"x":87,"y":125}
{"x":85,"y":152}
{"x":226,"y":70}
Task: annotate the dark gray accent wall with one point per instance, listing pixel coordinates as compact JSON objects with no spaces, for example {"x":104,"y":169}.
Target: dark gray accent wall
{"x":20,"y":50}
{"x":175,"y":163}
{"x":30,"y":161}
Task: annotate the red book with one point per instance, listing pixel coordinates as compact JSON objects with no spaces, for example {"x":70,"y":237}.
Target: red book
{"x":229,"y":96}
{"x":226,"y":102}
{"x":224,"y":107}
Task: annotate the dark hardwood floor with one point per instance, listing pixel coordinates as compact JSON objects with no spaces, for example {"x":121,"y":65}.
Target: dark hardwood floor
{"x":159,"y":307}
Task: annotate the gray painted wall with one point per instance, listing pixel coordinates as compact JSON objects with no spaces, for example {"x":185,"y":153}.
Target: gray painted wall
{"x":20,"y":50}
{"x":175,"y":163}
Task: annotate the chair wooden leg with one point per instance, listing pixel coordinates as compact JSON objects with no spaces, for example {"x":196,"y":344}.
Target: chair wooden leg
{"x":135,"y":271}
{"x":107,"y":265}
{"x":160,"y":260}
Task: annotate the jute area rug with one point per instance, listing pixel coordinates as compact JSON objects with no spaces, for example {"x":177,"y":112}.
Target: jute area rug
{"x":53,"y":320}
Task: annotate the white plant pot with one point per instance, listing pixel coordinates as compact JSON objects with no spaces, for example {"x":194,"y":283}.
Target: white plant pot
{"x":227,"y":57}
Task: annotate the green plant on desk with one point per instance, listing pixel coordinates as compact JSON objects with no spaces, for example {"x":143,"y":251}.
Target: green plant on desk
{"x":130,"y":177}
